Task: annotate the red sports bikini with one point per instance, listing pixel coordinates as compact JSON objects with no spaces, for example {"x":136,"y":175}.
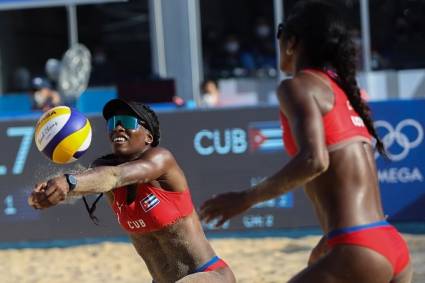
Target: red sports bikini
{"x":379,"y":236}
{"x":152,"y":209}
{"x":343,"y":125}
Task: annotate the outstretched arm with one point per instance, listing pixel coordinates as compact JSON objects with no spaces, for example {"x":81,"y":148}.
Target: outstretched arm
{"x":152,"y":165}
{"x":312,"y":159}
{"x":299,"y":105}
{"x":105,"y":178}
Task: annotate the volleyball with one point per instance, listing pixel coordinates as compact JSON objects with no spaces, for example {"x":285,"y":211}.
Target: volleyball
{"x":63,"y":134}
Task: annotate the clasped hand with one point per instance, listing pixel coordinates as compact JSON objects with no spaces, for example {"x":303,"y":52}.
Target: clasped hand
{"x":49,"y":193}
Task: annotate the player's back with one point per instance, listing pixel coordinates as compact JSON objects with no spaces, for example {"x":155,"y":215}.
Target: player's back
{"x":347,"y":194}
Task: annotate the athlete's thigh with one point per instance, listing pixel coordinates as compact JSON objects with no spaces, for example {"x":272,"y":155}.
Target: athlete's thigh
{"x":347,"y":264}
{"x":220,"y":275}
{"x":405,"y":276}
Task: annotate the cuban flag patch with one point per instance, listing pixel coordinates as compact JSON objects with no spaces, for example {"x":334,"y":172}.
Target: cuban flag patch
{"x":149,"y":202}
{"x":265,"y":136}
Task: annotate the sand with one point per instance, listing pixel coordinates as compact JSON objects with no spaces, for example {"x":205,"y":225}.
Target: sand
{"x":264,"y":260}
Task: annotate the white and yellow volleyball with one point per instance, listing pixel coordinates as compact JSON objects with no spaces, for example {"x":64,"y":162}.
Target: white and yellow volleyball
{"x":63,"y":134}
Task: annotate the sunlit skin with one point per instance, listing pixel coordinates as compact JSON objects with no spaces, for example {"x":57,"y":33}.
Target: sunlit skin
{"x":170,"y":253}
{"x":342,"y":184}
{"x":136,"y":141}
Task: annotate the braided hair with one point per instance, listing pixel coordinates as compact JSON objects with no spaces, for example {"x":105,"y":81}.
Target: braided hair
{"x":149,"y":116}
{"x":326,"y":43}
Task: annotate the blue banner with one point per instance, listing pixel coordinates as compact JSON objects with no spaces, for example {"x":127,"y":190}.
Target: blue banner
{"x":401,"y":126}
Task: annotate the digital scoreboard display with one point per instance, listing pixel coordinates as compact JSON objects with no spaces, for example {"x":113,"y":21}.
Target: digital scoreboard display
{"x":14,"y":206}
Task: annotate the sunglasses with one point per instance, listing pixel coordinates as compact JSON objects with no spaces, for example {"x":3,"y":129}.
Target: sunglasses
{"x":126,"y":121}
{"x":280,"y":29}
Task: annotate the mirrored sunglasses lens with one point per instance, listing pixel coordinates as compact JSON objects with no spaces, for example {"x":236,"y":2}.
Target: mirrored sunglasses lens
{"x":127,"y":122}
{"x":111,"y":124}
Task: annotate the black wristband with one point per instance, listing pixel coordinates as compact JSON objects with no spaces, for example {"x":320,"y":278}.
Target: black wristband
{"x":71,"y":180}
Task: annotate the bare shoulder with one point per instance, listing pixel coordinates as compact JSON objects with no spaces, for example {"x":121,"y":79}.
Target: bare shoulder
{"x":158,"y":152}
{"x":291,"y":92}
{"x":289,"y":88}
{"x":302,"y":86}
{"x":301,"y":83}
{"x":158,"y":155}
{"x":287,"y":85}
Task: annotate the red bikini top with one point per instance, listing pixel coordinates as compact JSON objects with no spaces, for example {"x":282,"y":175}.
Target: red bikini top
{"x":341,"y":124}
{"x":152,"y":209}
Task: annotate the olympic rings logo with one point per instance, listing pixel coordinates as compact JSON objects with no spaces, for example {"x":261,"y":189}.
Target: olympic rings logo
{"x":398,"y":138}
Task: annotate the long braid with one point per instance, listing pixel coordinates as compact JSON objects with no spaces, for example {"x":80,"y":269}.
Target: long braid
{"x":326,"y":43}
{"x":345,"y":65}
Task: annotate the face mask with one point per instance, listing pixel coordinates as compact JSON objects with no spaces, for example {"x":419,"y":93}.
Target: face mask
{"x":209,"y":99}
{"x":263,"y":31}
{"x":232,"y":46}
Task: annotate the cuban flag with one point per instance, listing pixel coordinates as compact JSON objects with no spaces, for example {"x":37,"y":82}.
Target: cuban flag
{"x":265,"y":136}
{"x":149,"y":202}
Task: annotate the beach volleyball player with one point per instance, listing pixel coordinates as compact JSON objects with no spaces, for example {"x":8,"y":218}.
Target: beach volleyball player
{"x":327,"y":131}
{"x":150,"y":196}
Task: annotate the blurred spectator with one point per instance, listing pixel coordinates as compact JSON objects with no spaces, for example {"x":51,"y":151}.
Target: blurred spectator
{"x":52,"y":69}
{"x":210,"y":45}
{"x":44,"y":96}
{"x":210,"y":94}
{"x":21,"y":79}
{"x":231,"y":60}
{"x":263,"y":48}
{"x":232,"y":56}
{"x":404,"y":46}
{"x":378,"y":61}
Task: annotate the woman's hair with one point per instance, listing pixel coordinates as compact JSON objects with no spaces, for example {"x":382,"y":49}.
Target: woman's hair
{"x":205,"y":83}
{"x":149,"y":116}
{"x":325,"y":41}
